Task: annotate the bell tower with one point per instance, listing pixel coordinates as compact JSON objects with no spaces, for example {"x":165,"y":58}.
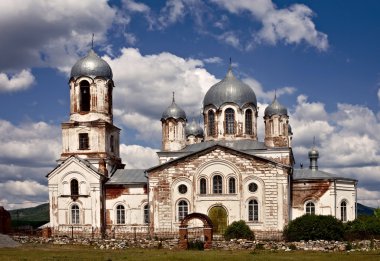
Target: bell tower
{"x":90,"y":133}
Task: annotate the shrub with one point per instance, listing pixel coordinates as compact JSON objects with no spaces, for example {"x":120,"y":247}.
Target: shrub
{"x":239,"y":229}
{"x":313,"y":227}
{"x":195,"y":245}
{"x":364,"y":227}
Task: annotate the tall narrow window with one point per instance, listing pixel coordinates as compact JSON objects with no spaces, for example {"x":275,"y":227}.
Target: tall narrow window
{"x":232,"y":186}
{"x":84,"y":96}
{"x":74,"y":188}
{"x":248,"y":121}
{"x":230,"y":121}
{"x":183,"y":210}
{"x":343,"y":211}
{"x":211,"y":123}
{"x":146,"y":214}
{"x":83,"y":141}
{"x":310,"y":208}
{"x":217,"y":184}
{"x":120,"y":214}
{"x":112,"y":143}
{"x":202,"y":186}
{"x":253,"y":210}
{"x":74,"y":214}
{"x":109,"y":98}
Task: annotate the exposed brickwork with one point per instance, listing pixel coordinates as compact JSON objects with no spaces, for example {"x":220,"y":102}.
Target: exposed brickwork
{"x":302,"y":192}
{"x":113,"y":192}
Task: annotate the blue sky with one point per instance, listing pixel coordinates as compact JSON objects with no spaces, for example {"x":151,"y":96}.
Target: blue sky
{"x":322,"y":58}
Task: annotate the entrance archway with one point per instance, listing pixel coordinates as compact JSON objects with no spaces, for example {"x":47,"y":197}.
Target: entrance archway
{"x":207,"y":230}
{"x":218,"y":216}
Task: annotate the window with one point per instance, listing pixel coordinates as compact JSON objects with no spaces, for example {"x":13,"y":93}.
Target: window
{"x":84,"y":96}
{"x":146,"y":214}
{"x":74,"y":188}
{"x":211,"y":123}
{"x":109,"y":98}
{"x":248,"y":121}
{"x":112,"y":143}
{"x":217,"y":184}
{"x":310,"y":208}
{"x":253,"y":210}
{"x":83,"y":141}
{"x":202,"y":186}
{"x":120,"y":214}
{"x":230,"y":121}
{"x":232,"y":186}
{"x":74,"y":214}
{"x":183,"y":210}
{"x":252,"y":187}
{"x":343,"y":211}
{"x":182,"y":189}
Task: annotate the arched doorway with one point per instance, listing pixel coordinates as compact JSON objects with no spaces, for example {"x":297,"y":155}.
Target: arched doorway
{"x":207,"y":230}
{"x":218,"y":216}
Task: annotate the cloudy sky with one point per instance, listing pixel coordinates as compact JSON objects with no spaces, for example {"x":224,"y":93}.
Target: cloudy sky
{"x":322,"y":58}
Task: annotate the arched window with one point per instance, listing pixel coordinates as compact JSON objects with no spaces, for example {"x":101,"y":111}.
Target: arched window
{"x":84,"y":96}
{"x":74,"y":214}
{"x":211,"y":123}
{"x":112,"y":143}
{"x":74,"y":187}
{"x":202,"y":186}
{"x":253,"y":210}
{"x":230,"y":121}
{"x":310,"y":208}
{"x":248,"y":121}
{"x":110,"y":98}
{"x":232,"y":186}
{"x":120,"y":214}
{"x":146,"y":214}
{"x":343,"y":211}
{"x":217,"y":184}
{"x":183,"y":209}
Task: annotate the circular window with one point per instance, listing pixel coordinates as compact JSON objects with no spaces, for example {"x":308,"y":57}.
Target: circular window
{"x":182,"y":189}
{"x":252,"y":187}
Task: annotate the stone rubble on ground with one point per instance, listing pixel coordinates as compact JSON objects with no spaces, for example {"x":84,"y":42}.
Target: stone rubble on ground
{"x":234,"y":244}
{"x":7,"y":241}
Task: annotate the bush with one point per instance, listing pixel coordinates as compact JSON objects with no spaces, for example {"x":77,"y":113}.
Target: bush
{"x":239,"y":229}
{"x":364,"y":227}
{"x":195,"y":245}
{"x":313,"y":227}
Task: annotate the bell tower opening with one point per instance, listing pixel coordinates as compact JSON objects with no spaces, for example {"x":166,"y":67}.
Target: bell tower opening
{"x":84,"y":96}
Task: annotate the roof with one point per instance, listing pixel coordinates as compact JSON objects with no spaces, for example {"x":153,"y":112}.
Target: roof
{"x":173,"y":111}
{"x":240,"y":145}
{"x":91,"y":65}
{"x":230,"y":90}
{"x":193,"y":129}
{"x":83,"y":161}
{"x":128,"y":176}
{"x":309,"y":174}
{"x":210,"y":145}
{"x":275,"y":109}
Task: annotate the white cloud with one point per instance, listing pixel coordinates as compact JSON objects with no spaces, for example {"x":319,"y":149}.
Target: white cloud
{"x":230,"y":38}
{"x":136,"y":7}
{"x":215,"y":59}
{"x":17,"y":82}
{"x":378,"y":94}
{"x":138,"y":157}
{"x":292,"y":25}
{"x":54,"y":38}
{"x":173,"y":12}
{"x":143,"y":80}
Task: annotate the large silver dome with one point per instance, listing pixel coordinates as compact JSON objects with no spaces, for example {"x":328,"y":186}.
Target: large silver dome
{"x":193,"y":129}
{"x":173,"y":111}
{"x":231,"y":90}
{"x":275,"y":109}
{"x":91,"y":65}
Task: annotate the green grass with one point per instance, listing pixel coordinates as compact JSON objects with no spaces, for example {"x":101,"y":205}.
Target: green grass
{"x":55,"y":252}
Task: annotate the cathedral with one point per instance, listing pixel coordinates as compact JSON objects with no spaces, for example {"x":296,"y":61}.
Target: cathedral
{"x":220,"y":170}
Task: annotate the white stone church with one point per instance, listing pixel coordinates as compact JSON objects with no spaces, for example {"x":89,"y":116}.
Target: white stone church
{"x":221,"y":170}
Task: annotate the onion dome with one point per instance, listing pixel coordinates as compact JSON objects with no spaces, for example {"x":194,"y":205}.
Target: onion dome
{"x":313,"y":153}
{"x":193,"y":129}
{"x":230,"y":90}
{"x":91,"y":65}
{"x":173,"y":111}
{"x":275,"y":109}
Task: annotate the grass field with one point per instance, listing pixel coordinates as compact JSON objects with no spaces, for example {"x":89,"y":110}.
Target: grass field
{"x":54,"y":252}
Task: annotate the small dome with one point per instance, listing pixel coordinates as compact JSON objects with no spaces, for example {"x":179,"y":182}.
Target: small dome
{"x":173,"y":111}
{"x":275,"y":109}
{"x":231,"y":90}
{"x":193,"y":129}
{"x":313,"y":153}
{"x":91,"y":65}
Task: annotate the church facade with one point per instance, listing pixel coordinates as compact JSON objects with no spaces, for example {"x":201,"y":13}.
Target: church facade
{"x":221,"y":170}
